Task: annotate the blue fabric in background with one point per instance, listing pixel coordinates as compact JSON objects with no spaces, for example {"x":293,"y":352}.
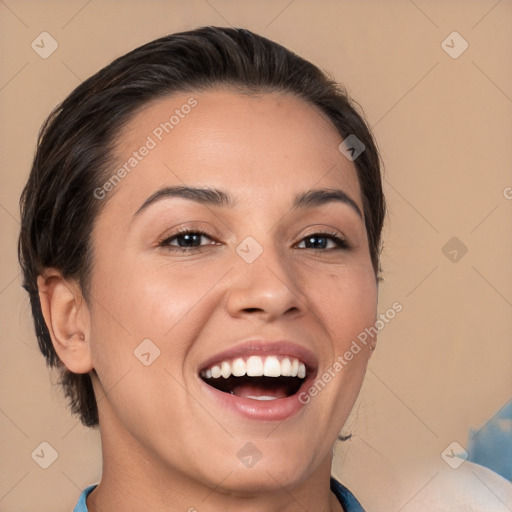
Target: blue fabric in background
{"x":491,"y":446}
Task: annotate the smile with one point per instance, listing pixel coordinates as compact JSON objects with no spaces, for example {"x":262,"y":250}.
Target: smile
{"x":259,"y":380}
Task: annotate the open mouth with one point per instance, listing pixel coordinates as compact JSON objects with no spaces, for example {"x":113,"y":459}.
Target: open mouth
{"x":258,"y":378}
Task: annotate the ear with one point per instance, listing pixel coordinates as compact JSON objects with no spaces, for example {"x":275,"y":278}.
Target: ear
{"x":67,"y":317}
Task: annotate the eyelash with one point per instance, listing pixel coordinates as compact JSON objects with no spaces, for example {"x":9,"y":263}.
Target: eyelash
{"x":340,"y":242}
{"x":183,"y":232}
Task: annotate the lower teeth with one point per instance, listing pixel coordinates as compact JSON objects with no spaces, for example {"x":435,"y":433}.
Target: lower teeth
{"x":262,"y":397}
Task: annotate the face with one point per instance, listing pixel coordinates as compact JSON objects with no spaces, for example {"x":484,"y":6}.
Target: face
{"x":231,"y":273}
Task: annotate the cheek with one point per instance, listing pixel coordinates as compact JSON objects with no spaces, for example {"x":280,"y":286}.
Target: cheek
{"x":134,"y":302}
{"x":346,"y":302}
{"x":350,"y":307}
{"x":172,"y":297}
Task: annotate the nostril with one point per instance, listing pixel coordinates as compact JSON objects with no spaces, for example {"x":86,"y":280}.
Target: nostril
{"x":252,"y":310}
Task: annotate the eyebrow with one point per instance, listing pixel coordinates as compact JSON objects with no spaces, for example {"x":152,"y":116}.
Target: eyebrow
{"x":216,"y":197}
{"x":208,"y":196}
{"x":320,"y":196}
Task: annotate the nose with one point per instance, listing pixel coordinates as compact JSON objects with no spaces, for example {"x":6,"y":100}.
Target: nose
{"x":266,"y":289}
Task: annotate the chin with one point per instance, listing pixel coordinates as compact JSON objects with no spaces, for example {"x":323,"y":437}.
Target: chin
{"x":263,"y":467}
{"x":262,"y":478}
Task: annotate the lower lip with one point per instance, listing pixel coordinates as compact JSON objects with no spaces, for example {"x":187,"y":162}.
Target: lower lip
{"x":259,"y":410}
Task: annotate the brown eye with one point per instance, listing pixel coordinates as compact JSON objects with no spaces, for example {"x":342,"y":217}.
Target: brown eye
{"x":187,"y":240}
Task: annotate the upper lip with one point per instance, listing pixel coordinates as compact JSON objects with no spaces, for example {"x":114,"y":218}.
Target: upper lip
{"x":258,"y":347}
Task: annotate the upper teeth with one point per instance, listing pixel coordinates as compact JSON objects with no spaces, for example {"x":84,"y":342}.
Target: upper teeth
{"x":256,"y":366}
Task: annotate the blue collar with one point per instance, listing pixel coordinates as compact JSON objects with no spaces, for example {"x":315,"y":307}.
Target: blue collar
{"x":345,"y":497}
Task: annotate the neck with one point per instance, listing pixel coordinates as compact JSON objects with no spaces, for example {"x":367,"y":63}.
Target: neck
{"x":136,"y":480}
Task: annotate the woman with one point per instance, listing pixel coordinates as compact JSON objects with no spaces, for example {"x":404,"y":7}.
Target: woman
{"x":200,"y":240}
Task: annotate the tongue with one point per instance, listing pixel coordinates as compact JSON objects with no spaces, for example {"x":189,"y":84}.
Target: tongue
{"x":248,"y":390}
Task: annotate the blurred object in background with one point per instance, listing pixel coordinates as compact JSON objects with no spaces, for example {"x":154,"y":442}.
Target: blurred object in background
{"x":491,"y":445}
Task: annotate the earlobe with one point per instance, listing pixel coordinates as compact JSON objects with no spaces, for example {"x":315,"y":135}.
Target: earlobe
{"x":67,"y":317}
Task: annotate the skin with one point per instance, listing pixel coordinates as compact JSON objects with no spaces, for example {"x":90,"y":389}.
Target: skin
{"x":165,"y":444}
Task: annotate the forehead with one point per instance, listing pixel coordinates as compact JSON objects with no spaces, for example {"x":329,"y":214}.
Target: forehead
{"x":252,"y":144}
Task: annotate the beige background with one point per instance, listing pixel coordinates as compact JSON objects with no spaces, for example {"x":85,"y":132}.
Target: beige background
{"x":444,"y":364}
